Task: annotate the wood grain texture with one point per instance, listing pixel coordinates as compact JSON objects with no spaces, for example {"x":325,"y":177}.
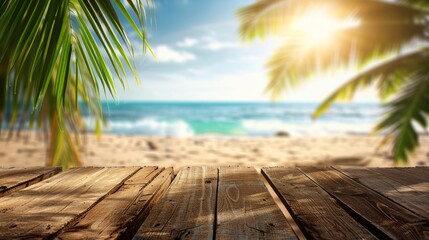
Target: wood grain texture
{"x":395,"y":186}
{"x":119,"y":215}
{"x":384,"y":217}
{"x":43,"y":209}
{"x":14,"y":179}
{"x":245,"y":208}
{"x":316,"y":213}
{"x":187,"y":210}
{"x":416,"y":178}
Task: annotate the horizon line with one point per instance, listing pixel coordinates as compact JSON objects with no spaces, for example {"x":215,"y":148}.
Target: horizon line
{"x":232,"y":101}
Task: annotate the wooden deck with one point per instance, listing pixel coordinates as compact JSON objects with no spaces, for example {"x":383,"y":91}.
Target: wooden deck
{"x":214,"y":203}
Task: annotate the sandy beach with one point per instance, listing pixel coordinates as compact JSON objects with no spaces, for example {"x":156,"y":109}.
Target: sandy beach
{"x":126,"y":150}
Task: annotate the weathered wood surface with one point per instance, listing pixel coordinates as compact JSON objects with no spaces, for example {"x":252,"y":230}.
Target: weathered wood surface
{"x":217,"y":203}
{"x":417,"y":177}
{"x":43,"y":209}
{"x":14,"y":179}
{"x":187,"y":211}
{"x":221,"y":203}
{"x":387,"y":218}
{"x":245,"y":209}
{"x":409,"y":190}
{"x":119,"y":215}
{"x":317,"y":214}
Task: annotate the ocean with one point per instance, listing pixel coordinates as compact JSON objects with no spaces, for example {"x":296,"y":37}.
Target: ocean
{"x":187,"y":119}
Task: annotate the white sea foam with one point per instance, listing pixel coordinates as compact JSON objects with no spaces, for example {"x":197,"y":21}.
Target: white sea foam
{"x":152,"y":127}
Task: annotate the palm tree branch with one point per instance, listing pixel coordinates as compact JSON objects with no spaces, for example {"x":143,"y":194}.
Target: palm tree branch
{"x":273,"y":16}
{"x":384,"y":73}
{"x":409,"y":107}
{"x":104,"y":39}
{"x":51,"y":57}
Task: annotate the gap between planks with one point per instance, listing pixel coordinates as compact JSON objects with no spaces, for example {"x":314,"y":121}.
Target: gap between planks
{"x":216,"y":202}
{"x":44,"y":228}
{"x":314,"y":211}
{"x":396,"y":185}
{"x":216,"y":206}
{"x":138,"y":194}
{"x":282,"y":207}
{"x":185,"y":209}
{"x":15,"y":179}
{"x":411,"y":224}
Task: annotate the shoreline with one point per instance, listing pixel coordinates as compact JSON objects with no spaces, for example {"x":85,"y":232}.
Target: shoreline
{"x":137,"y":150}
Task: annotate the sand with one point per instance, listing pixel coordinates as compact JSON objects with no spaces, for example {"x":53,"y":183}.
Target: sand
{"x":122,"y":150}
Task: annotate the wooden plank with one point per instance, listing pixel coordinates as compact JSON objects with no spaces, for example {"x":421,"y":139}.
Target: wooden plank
{"x":43,"y":209}
{"x":416,"y":178}
{"x":245,"y":208}
{"x":14,"y":179}
{"x":187,"y":211}
{"x":120,"y":214}
{"x":316,"y":213}
{"x":385,"y":218}
{"x":394,"y":186}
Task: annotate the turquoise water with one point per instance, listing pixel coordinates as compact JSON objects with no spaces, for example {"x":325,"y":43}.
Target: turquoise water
{"x":236,"y":119}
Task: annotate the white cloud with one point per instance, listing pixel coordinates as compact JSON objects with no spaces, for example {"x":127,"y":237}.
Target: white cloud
{"x":188,"y":42}
{"x":213,"y":44}
{"x":166,"y":54}
{"x":218,"y":45}
{"x":208,"y":42}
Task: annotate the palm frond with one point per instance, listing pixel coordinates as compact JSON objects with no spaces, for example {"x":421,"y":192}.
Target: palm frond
{"x":266,"y":17}
{"x":409,"y":108}
{"x":295,"y":62}
{"x":388,"y":76}
{"x":421,"y":4}
{"x":385,"y":29}
{"x":53,"y":56}
{"x":376,"y":36}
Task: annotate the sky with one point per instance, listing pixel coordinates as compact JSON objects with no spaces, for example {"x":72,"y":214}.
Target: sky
{"x":200,"y":57}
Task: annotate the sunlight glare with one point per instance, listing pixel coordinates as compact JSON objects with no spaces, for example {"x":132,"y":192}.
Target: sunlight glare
{"x":319,"y":26}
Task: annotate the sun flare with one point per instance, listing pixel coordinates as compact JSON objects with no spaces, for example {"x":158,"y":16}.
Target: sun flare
{"x":319,"y":26}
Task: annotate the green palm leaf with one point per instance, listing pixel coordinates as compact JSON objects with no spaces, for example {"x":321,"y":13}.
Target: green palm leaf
{"x":52,"y":61}
{"x":385,"y":29}
{"x":421,"y":4}
{"x":266,"y":17}
{"x":389,"y":76}
{"x":409,"y":108}
{"x":372,"y":38}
